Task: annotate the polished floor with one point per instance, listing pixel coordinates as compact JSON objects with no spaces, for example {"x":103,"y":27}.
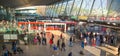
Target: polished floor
{"x":45,"y":50}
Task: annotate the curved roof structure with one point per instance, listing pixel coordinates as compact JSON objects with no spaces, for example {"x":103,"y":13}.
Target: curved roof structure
{"x":25,"y":3}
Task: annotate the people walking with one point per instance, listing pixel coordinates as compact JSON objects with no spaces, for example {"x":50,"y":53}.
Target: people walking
{"x":14,"y":47}
{"x":98,"y":40}
{"x":61,"y":36}
{"x":39,"y":39}
{"x":5,"y":52}
{"x":63,"y":46}
{"x":52,"y":36}
{"x":35,"y":40}
{"x":45,"y":40}
{"x":82,"y":45}
{"x":71,"y":42}
{"x":26,"y":39}
{"x":51,"y":42}
{"x":54,"y":49}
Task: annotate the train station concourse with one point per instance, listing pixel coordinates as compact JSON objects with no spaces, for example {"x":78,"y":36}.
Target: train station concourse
{"x":59,"y":28}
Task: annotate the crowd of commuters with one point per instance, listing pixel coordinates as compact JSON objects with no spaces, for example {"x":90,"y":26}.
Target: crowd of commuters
{"x":59,"y":45}
{"x":93,"y":39}
{"x":40,"y":38}
{"x":97,"y":39}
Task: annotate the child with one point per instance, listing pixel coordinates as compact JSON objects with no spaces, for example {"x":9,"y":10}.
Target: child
{"x":55,"y":49}
{"x":35,"y":40}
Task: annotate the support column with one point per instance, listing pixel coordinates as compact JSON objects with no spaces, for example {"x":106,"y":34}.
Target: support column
{"x":7,"y":13}
{"x":91,"y":8}
{"x":101,"y":6}
{"x":54,"y":10}
{"x":45,"y":27}
{"x":79,"y":8}
{"x":46,"y":8}
{"x":72,"y":7}
{"x":65,"y":28}
{"x":66,"y":8}
{"x":109,"y":8}
{"x":51,"y":10}
{"x":61,"y":7}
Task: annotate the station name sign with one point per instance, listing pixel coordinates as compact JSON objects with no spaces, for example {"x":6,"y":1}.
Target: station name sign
{"x":110,"y":18}
{"x":106,"y":19}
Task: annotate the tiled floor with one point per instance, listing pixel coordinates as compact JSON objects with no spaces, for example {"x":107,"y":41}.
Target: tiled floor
{"x":40,"y":50}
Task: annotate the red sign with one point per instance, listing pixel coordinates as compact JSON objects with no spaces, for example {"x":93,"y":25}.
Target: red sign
{"x":110,"y":18}
{"x":102,"y":18}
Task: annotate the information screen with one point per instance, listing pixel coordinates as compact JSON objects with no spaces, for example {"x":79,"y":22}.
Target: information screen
{"x":6,"y":36}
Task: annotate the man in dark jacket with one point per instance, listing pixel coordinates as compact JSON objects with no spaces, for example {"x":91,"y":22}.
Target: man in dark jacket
{"x":63,"y":46}
{"x":39,"y":39}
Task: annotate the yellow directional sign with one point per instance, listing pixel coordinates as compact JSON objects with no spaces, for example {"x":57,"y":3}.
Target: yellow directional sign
{"x":82,"y":17}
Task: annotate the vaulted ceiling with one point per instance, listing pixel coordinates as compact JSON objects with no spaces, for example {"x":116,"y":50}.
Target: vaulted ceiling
{"x":24,"y":3}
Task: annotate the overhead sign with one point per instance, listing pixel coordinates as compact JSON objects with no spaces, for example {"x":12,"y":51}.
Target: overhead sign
{"x":74,"y":17}
{"x":10,"y":37}
{"x":110,"y":19}
{"x":13,"y":37}
{"x":82,"y":17}
{"x":6,"y":36}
